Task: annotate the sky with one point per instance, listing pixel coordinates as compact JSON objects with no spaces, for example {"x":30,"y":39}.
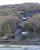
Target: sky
{"x":6,"y":2}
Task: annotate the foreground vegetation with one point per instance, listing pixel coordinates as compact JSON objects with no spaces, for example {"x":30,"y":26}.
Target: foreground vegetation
{"x":8,"y":27}
{"x":33,"y":24}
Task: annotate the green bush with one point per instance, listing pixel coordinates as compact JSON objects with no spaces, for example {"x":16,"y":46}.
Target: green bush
{"x":7,"y":27}
{"x":28,"y":27}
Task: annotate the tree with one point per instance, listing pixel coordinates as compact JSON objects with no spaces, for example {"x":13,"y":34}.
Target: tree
{"x":28,"y":27}
{"x":33,"y":23}
{"x":7,"y":27}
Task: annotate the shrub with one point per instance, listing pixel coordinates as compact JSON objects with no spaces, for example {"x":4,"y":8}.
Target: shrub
{"x":7,"y":27}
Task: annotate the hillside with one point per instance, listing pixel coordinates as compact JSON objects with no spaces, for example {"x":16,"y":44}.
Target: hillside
{"x":13,"y":9}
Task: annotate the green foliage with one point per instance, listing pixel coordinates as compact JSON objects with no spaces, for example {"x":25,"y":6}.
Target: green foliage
{"x":37,"y":30}
{"x":33,"y":24}
{"x":28,"y":27}
{"x":7,"y":27}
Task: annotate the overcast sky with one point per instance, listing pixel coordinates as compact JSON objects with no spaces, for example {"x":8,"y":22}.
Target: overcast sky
{"x":3,"y":2}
